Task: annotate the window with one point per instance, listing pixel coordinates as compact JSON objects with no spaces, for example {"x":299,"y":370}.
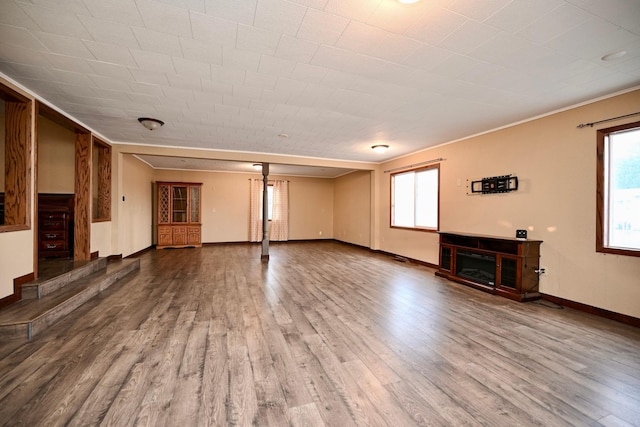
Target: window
{"x":618,"y":190}
{"x":415,"y":198}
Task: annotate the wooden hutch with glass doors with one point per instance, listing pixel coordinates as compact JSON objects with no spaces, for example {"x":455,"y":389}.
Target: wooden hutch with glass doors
{"x":179,"y":214}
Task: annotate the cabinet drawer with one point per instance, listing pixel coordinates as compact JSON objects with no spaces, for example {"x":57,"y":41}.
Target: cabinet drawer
{"x":53,"y":245}
{"x":53,"y":215}
{"x":53,"y":235}
{"x":52,"y":224}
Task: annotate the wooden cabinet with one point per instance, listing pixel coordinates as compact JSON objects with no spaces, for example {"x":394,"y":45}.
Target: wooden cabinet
{"x":500,"y":265}
{"x":178,"y":214}
{"x":55,"y":225}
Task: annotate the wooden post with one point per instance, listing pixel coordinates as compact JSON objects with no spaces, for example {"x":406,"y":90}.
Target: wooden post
{"x":265,"y":212}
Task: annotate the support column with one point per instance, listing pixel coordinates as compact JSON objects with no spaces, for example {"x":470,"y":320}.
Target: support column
{"x":265,"y":212}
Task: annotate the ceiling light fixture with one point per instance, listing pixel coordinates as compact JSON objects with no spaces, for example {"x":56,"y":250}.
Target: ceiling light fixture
{"x":380,"y":148}
{"x":257,"y":166}
{"x":149,"y":123}
{"x":614,"y":55}
{"x":408,"y":1}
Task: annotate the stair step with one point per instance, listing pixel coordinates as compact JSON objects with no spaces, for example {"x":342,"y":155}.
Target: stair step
{"x":28,"y":317}
{"x":40,"y":288}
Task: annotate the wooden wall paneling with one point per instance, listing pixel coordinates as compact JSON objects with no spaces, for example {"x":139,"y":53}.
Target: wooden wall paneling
{"x":17,"y":165}
{"x":104,"y":182}
{"x":82,"y":210}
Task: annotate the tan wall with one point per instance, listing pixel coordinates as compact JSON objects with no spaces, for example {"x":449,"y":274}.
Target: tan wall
{"x":225,"y":205}
{"x":352,"y":208}
{"x":135,"y":212}
{"x":56,"y":158}
{"x":556,"y":165}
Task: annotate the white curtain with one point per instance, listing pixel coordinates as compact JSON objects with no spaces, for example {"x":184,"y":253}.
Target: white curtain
{"x":279,"y":228}
{"x":255,"y":211}
{"x":279,"y":224}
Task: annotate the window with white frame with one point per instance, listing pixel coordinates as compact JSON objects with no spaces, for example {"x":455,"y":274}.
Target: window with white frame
{"x":415,"y":198}
{"x":618,"y":190}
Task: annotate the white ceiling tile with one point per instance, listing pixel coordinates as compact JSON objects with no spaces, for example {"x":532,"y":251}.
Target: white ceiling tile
{"x":192,"y":69}
{"x":110,"y":53}
{"x":260,"y":80}
{"x":154,"y":41}
{"x":500,"y":47}
{"x":110,"y":32}
{"x":64,"y":45}
{"x":11,"y":13}
{"x":594,"y":39}
{"x":216,"y":86}
{"x":316,"y":4}
{"x":146,"y":89}
{"x":339,"y":79}
{"x":111,"y":70}
{"x":20,"y":55}
{"x":110,"y":83}
{"x":212,"y":29}
{"x":202,"y":51}
{"x":27,"y":71}
{"x":246,"y":92}
{"x":257,"y":40}
{"x":334,"y":58}
{"x":165,"y":18}
{"x":20,"y":37}
{"x":457,"y":65}
{"x":52,"y":21}
{"x":361,"y":38}
{"x":242,"y":11}
{"x":468,"y":37}
{"x":279,"y":15}
{"x":233,"y":59}
{"x":197,"y":5}
{"x":521,"y":13}
{"x":396,"y":17}
{"x":321,"y":27}
{"x":72,"y":78}
{"x":231,"y":74}
{"x":68,"y":63}
{"x":275,"y":66}
{"x":625,"y":13}
{"x":353,"y":9}
{"x":427,"y":57}
{"x":308,"y":73}
{"x":151,"y":61}
{"x":435,"y":25}
{"x":478,"y":10}
{"x":120,"y":11}
{"x":555,"y":23}
{"x":396,"y":48}
{"x":295,"y":49}
{"x":180,"y":82}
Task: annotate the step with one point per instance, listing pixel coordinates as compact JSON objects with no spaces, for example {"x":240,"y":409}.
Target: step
{"x":42,"y":287}
{"x":28,"y":317}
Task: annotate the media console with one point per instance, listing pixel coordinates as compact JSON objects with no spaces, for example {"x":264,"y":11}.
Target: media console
{"x":499,"y":265}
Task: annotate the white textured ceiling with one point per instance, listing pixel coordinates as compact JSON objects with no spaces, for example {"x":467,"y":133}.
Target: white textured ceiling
{"x":198,"y":164}
{"x":336,"y":76}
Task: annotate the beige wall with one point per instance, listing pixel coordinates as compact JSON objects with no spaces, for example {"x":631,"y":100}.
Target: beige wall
{"x":134,"y":217}
{"x":556,"y":165}
{"x":56,"y":158}
{"x":352,"y":208}
{"x":225,"y":205}
{"x":101,"y":238}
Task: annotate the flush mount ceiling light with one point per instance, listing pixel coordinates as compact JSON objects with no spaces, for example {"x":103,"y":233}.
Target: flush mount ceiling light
{"x":614,"y":55}
{"x":380,"y":148}
{"x":149,"y":123}
{"x":257,"y":166}
{"x":408,"y":1}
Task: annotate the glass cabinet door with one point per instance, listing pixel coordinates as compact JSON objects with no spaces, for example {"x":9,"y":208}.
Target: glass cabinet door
{"x":194,"y":204}
{"x":180,"y":203}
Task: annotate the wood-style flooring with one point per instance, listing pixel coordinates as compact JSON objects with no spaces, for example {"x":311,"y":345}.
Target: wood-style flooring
{"x":322,"y":334}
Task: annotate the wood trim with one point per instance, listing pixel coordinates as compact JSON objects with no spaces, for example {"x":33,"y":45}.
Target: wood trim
{"x":103,"y":208}
{"x":94,"y":255}
{"x":601,"y":134}
{"x":135,"y":254}
{"x":82,"y":209}
{"x":601,"y":312}
{"x":17,"y":289}
{"x":18,"y":142}
{"x":117,"y":257}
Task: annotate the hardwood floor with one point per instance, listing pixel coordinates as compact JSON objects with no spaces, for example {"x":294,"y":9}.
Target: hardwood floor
{"x":322,"y":334}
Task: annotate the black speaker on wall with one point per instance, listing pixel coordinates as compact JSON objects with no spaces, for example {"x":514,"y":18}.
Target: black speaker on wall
{"x":521,"y":234}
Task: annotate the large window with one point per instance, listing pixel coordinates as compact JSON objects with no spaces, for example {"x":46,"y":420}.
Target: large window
{"x":415,"y":198}
{"x":618,"y":190}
